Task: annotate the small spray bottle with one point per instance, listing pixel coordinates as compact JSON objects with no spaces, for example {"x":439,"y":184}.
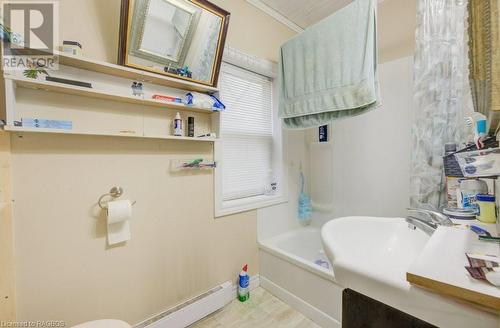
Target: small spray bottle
{"x":243,"y":282}
{"x":178,"y":125}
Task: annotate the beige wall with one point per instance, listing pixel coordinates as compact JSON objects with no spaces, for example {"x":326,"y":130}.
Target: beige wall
{"x":95,"y":24}
{"x":64,"y":269}
{"x":7,"y":294}
{"x":396,"y":29}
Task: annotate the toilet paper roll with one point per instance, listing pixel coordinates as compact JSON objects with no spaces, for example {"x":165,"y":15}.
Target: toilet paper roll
{"x":119,"y":215}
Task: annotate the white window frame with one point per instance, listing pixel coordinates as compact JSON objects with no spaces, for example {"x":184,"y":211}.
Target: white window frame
{"x":223,"y":208}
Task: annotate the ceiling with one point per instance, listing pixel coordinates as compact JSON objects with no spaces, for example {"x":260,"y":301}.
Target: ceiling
{"x":396,"y":20}
{"x":305,"y":13}
{"x":300,"y":14}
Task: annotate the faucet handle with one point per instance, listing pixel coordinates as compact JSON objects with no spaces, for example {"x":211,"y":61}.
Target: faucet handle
{"x":435,"y":216}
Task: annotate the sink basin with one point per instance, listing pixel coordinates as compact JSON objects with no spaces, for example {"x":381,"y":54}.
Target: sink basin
{"x":381,"y":249}
{"x":371,"y":255}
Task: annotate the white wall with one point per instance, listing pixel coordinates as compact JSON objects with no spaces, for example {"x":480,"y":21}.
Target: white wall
{"x":372,"y":151}
{"x":371,"y":159}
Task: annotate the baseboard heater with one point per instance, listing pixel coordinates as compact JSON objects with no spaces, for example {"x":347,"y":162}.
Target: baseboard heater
{"x":189,"y":312}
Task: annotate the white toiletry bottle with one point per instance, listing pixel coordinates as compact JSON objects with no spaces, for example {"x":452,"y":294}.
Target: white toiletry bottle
{"x":271,"y":187}
{"x":178,"y":125}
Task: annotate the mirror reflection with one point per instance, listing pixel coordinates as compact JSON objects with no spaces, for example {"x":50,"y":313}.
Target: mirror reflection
{"x":166,"y":21}
{"x":181,"y":38}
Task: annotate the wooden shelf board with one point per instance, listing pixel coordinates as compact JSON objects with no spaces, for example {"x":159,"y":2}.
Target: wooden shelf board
{"x":439,"y":267}
{"x":130,"y":73}
{"x":110,"y":134}
{"x":93,"y":93}
{"x":479,"y":299}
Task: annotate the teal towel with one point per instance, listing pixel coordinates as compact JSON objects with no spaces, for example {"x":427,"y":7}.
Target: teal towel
{"x":329,"y":71}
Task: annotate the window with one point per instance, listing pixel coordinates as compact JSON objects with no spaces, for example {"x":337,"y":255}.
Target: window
{"x":249,"y":152}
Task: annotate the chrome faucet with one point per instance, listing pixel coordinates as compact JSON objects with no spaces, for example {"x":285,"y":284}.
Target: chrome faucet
{"x":426,"y":226}
{"x":435,"y":216}
{"x":430,"y":224}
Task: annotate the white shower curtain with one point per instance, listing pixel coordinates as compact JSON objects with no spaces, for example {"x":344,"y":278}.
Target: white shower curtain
{"x":441,"y":96}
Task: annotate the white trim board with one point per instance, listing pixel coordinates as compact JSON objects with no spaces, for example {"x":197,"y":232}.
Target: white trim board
{"x":192,"y":310}
{"x":250,"y":62}
{"x":276,"y":15}
{"x":197,"y":308}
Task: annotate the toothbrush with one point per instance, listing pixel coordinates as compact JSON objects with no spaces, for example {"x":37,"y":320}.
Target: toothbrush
{"x":480,"y":231}
{"x":483,"y":234}
{"x":478,"y":123}
{"x":490,"y":239}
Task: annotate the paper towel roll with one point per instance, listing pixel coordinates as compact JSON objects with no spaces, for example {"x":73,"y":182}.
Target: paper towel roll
{"x":119,"y":215}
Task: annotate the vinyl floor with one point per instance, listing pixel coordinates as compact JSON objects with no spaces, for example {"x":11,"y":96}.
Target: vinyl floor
{"x":261,"y":310}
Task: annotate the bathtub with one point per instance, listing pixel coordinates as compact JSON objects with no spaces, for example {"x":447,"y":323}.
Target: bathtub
{"x":288,"y":270}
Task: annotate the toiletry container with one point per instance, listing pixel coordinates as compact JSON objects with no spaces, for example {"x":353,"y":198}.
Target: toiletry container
{"x":177,"y":125}
{"x":72,"y":48}
{"x":271,"y":187}
{"x":190,"y":126}
{"x":451,"y":174}
{"x":487,"y":210}
{"x":469,"y":189}
{"x":460,"y":213}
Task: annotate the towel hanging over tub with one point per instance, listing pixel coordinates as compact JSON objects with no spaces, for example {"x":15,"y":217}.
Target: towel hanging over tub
{"x":329,"y":71}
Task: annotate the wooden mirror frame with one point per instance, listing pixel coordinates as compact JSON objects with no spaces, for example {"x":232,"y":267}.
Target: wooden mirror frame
{"x":204,"y":4}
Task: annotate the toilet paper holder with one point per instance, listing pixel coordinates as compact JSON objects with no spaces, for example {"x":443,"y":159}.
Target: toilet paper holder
{"x":114,"y":193}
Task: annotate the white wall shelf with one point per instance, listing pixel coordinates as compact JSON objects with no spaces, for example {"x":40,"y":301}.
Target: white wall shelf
{"x":62,"y":131}
{"x":94,"y":93}
{"x":130,"y":73}
{"x":106,"y":109}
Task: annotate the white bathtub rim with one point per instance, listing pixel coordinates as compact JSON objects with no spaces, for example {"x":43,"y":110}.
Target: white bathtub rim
{"x":297,"y":303}
{"x":268,"y":246}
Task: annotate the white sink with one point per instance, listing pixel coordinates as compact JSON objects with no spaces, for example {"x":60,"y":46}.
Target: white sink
{"x":372,"y":255}
{"x":378,"y":248}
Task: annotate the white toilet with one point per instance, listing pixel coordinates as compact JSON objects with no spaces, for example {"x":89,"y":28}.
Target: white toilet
{"x":108,"y":323}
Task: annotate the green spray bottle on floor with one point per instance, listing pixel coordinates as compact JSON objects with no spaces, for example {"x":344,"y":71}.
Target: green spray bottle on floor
{"x":243,"y":284}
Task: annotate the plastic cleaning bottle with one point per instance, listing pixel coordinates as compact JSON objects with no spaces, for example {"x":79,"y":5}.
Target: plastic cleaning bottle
{"x":178,"y":125}
{"x":243,"y":282}
{"x":305,"y":204}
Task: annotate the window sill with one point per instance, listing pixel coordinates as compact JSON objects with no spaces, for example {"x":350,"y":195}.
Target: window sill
{"x":248,"y":204}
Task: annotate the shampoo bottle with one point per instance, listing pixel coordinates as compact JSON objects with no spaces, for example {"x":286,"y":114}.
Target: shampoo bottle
{"x":178,"y":125}
{"x":243,"y":282}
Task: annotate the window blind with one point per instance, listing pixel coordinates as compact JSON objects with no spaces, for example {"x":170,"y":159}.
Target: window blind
{"x":246,"y":129}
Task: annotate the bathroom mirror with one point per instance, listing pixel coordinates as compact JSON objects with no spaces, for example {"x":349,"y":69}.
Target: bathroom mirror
{"x":180,"y":38}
